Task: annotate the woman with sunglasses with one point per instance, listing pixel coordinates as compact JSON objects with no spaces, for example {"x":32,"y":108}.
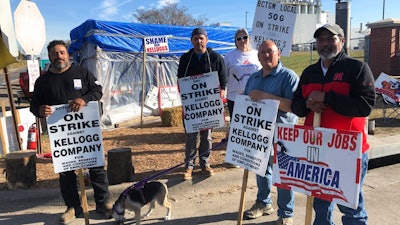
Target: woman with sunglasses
{"x":240,"y":63}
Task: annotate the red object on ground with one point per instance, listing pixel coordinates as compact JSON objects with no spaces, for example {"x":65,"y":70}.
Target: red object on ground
{"x":32,"y":137}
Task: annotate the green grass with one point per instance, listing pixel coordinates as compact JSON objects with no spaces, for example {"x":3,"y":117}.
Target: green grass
{"x":299,"y":60}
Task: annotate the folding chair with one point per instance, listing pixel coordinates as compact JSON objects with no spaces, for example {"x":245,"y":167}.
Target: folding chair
{"x":390,"y":109}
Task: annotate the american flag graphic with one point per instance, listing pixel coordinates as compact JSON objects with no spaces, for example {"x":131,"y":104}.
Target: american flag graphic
{"x":316,"y":189}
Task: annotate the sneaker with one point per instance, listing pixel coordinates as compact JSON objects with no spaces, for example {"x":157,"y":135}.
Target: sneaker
{"x":230,"y":165}
{"x":188,"y":174}
{"x":258,"y":210}
{"x":68,"y":216}
{"x":284,"y":221}
{"x":105,"y":209}
{"x":208,"y":171}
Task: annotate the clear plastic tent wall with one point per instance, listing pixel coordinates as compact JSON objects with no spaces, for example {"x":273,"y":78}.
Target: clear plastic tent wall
{"x":113,"y":52}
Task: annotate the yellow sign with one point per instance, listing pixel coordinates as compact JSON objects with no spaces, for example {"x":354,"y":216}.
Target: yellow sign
{"x":5,"y":57}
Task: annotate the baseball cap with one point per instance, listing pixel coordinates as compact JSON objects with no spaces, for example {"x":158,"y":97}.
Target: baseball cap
{"x":199,"y":30}
{"x":333,"y":28}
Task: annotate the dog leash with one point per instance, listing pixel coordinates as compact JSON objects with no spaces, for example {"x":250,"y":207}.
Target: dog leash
{"x":139,"y":185}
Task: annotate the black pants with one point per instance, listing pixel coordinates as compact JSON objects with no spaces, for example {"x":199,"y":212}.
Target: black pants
{"x":69,"y":188}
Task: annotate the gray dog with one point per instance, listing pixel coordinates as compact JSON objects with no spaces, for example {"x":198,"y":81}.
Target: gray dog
{"x":134,"y":199}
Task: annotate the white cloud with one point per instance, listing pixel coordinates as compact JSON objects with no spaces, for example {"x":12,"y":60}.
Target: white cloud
{"x":110,"y":8}
{"x":162,"y":3}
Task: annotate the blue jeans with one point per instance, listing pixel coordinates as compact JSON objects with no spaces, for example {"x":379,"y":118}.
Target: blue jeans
{"x":204,"y":148}
{"x":285,"y":197}
{"x":324,"y":209}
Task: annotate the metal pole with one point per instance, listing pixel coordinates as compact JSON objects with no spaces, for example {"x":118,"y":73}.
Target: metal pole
{"x":246,"y":20}
{"x":143,"y":83}
{"x":383,"y":10}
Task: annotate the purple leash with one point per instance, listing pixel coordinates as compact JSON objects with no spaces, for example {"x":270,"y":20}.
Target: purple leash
{"x":141,"y":183}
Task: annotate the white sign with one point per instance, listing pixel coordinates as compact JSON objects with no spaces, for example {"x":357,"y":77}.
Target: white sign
{"x":75,"y":138}
{"x":251,"y":133}
{"x":34,"y":72}
{"x":274,"y":21}
{"x":7,"y":28}
{"x":201,"y":101}
{"x":156,"y":44}
{"x":151,"y":97}
{"x":168,"y":97}
{"x":388,"y":87}
{"x":8,"y":137}
{"x":29,"y":27}
{"x":320,"y":162}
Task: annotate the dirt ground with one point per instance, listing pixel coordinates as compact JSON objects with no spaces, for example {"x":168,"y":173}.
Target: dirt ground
{"x":156,"y":148}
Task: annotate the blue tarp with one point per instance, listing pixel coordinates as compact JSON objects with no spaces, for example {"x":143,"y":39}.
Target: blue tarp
{"x":112,"y":51}
{"x":128,"y":37}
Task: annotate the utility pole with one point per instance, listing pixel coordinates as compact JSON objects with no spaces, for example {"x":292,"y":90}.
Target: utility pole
{"x":383,"y":10}
{"x":247,"y":12}
{"x":342,"y":19}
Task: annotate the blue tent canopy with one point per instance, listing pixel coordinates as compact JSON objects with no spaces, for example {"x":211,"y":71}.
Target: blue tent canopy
{"x":112,"y":51}
{"x":128,"y":37}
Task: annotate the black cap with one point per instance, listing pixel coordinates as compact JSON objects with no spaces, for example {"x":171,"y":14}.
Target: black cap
{"x":333,"y":28}
{"x":199,"y":30}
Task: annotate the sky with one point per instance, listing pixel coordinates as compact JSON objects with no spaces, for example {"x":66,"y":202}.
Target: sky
{"x":62,"y":16}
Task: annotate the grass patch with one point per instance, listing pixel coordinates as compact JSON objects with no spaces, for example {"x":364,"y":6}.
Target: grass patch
{"x":299,"y":60}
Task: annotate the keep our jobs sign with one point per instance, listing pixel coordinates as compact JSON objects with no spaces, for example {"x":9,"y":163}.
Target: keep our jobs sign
{"x":320,"y":162}
{"x":274,"y":21}
{"x":75,"y":138}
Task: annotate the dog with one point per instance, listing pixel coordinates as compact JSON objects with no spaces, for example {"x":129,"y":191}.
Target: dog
{"x":134,"y":199}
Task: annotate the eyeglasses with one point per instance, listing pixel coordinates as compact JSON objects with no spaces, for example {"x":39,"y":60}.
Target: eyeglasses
{"x":240,"y":38}
{"x":269,"y":52}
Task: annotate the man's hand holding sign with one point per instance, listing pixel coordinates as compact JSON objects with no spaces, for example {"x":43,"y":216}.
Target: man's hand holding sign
{"x":75,"y":137}
{"x":201,"y":102}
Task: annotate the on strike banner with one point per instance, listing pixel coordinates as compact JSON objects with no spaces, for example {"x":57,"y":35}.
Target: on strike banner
{"x":201,"y":102}
{"x":320,"y":162}
{"x":274,"y":21}
{"x":75,"y":138}
{"x":251,"y":133}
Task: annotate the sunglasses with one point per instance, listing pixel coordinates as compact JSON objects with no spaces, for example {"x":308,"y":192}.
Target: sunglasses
{"x":240,"y":38}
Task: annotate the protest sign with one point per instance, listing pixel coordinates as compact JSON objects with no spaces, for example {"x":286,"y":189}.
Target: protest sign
{"x":274,"y":21}
{"x":33,"y":71}
{"x":156,"y":44}
{"x":320,"y":162}
{"x":251,"y":133}
{"x":151,"y":97}
{"x":75,"y":138}
{"x":388,"y":87}
{"x":168,"y":97}
{"x":201,"y":102}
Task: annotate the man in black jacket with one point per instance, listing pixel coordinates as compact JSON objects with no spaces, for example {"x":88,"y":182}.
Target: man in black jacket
{"x":340,"y":92}
{"x":199,"y":60}
{"x":64,"y":83}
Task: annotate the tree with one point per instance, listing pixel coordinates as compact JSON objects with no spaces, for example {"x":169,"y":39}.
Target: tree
{"x":169,"y":14}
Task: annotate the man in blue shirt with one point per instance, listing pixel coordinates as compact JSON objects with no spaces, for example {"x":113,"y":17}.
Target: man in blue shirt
{"x":273,"y":81}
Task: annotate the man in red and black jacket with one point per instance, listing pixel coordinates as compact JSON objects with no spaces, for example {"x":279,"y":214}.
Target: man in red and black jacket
{"x":342,"y":90}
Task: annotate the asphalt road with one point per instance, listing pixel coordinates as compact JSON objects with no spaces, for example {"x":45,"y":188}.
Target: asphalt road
{"x":207,"y":201}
